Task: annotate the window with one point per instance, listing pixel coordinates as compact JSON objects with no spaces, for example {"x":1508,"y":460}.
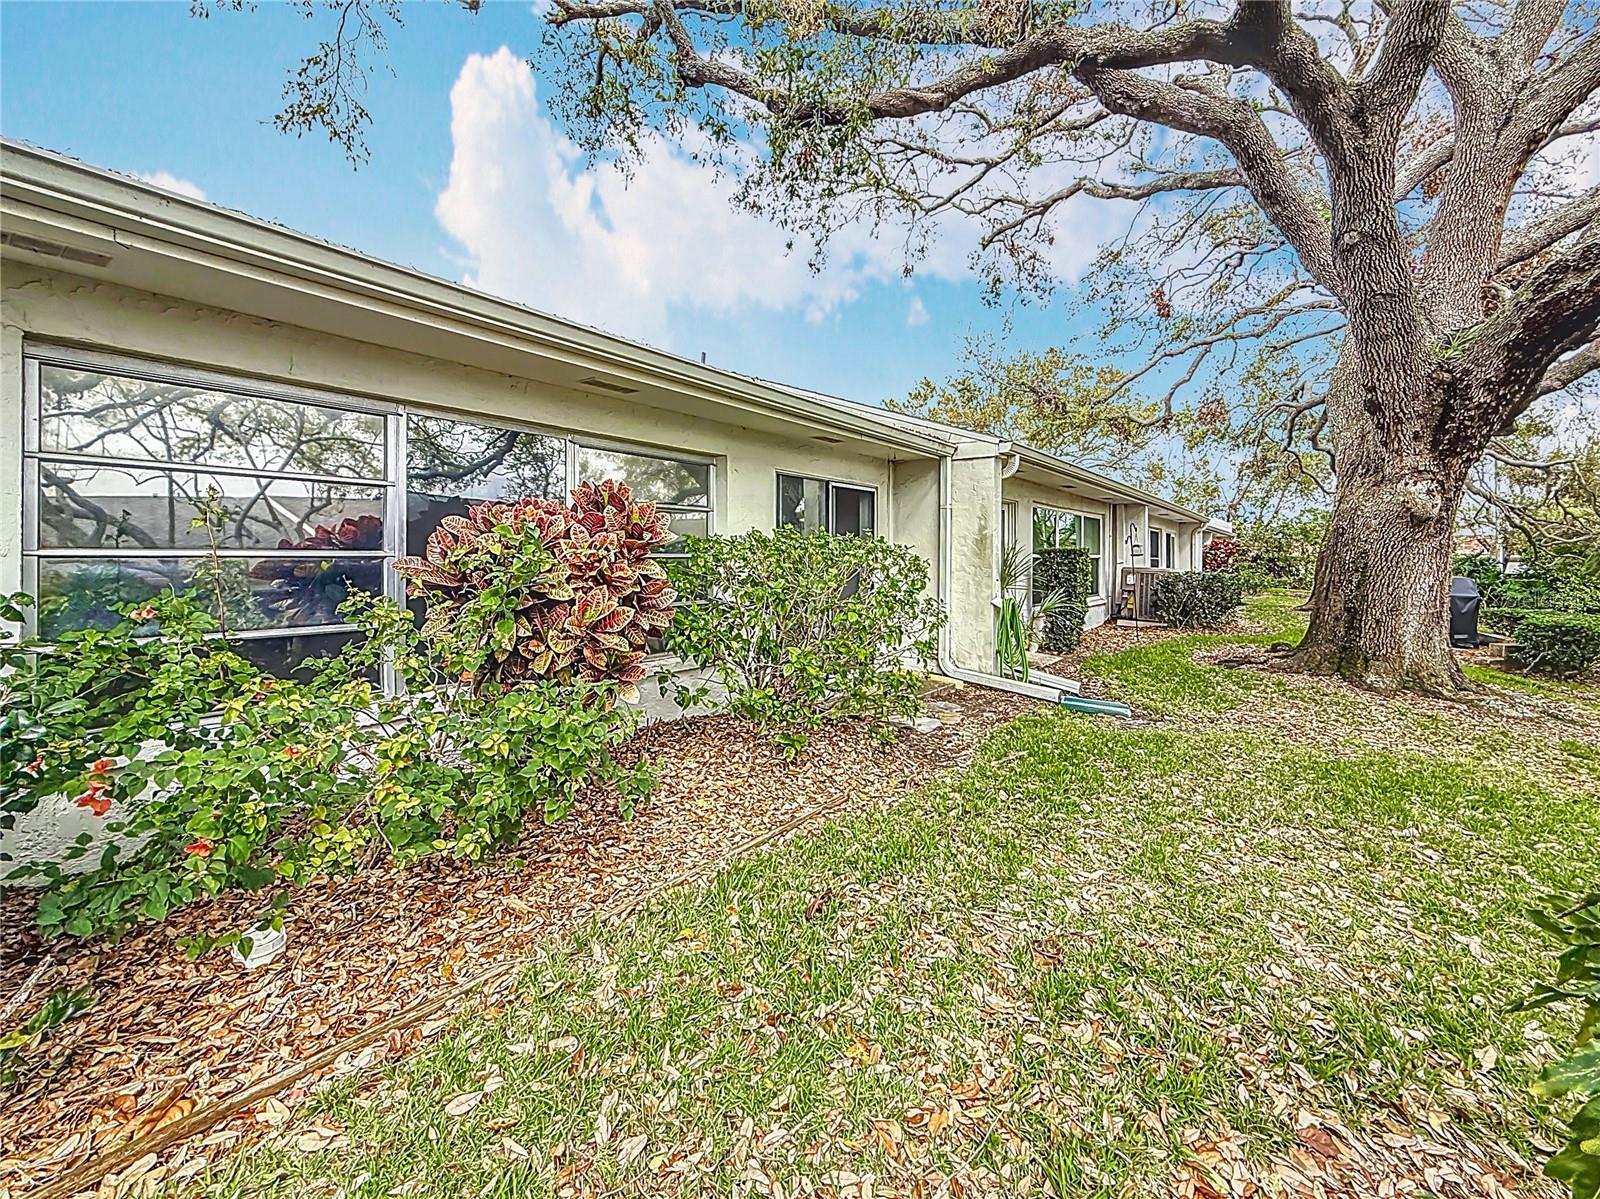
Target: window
{"x":451,"y":463}
{"x":817,"y":505}
{"x":1155,"y":547}
{"x":1010,"y":536}
{"x":119,"y":460}
{"x":679,"y":487}
{"x":1054,"y":528}
{"x":852,"y":509}
{"x":317,"y":492}
{"x":1172,"y":552}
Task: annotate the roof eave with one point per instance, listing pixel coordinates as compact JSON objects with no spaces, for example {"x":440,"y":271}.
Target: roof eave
{"x":53,"y":183}
{"x":1128,"y":494}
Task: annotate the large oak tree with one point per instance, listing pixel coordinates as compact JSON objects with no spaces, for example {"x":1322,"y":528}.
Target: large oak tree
{"x":1383,"y":177}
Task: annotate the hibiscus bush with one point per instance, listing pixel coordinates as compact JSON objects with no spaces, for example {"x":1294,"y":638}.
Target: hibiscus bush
{"x":210,"y":775}
{"x":1220,"y":553}
{"x":537,"y":590}
{"x":801,"y":628}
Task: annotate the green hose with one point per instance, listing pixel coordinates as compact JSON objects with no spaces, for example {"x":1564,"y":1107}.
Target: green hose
{"x":1095,"y":707}
{"x":1011,"y":640}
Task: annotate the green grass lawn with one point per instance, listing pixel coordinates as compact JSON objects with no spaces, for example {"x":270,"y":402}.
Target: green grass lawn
{"x":1069,"y":969}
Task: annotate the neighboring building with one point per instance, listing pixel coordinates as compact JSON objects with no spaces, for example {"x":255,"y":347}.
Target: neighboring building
{"x":154,"y":346}
{"x":1488,"y":543}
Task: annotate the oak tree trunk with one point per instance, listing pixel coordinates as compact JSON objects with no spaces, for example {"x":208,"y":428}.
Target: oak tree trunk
{"x":1380,"y":607}
{"x":1380,"y":603}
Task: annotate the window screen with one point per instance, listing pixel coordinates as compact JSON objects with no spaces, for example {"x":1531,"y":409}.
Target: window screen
{"x":120,"y":457}
{"x":681,"y":488}
{"x":451,"y":463}
{"x":819,"y":505}
{"x":123,"y":461}
{"x":1054,"y":528}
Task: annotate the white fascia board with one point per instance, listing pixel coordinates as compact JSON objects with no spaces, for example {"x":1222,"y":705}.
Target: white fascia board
{"x":42,"y":188}
{"x":953,"y":434}
{"x":1124,"y":492}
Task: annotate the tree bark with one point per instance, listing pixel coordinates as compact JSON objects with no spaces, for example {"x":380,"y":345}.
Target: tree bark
{"x":1380,"y":607}
{"x":1380,"y":603}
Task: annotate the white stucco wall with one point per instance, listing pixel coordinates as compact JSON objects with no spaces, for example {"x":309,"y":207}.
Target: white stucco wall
{"x":57,"y":307}
{"x":914,"y":498}
{"x":1186,"y":539}
{"x":47,"y":306}
{"x":1029,"y":494}
{"x":10,"y":454}
{"x":975,"y":544}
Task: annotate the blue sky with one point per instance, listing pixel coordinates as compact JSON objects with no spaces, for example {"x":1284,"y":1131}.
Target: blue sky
{"x":469,"y":180}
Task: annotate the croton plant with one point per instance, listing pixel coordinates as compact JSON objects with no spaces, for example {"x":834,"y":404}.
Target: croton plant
{"x":539,"y":590}
{"x":310,"y":592}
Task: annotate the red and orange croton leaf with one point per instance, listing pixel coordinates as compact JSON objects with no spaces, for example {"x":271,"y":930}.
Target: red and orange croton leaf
{"x":589,"y":612}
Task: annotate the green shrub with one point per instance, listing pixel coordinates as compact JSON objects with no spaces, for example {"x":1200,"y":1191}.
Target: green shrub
{"x":1282,"y":553}
{"x":1559,"y":643}
{"x":1561,"y":588}
{"x":1576,"y":593}
{"x":1066,"y":575}
{"x":212,"y":776}
{"x":1196,"y":598}
{"x":799,"y":628}
{"x":1253,"y":578}
{"x":1574,"y":921}
{"x":1505,"y":620}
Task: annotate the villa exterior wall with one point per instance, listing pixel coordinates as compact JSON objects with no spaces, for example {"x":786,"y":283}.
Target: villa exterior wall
{"x":1029,"y":495}
{"x":41,"y":306}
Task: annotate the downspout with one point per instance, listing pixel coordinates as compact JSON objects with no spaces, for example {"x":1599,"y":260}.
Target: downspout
{"x":947,"y":665}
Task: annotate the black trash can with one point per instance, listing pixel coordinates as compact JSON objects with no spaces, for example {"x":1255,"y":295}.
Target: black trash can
{"x":1464,"y":601}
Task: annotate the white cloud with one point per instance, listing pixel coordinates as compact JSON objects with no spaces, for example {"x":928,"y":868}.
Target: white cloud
{"x":171,"y":182}
{"x":917,"y":314}
{"x":622,"y":250}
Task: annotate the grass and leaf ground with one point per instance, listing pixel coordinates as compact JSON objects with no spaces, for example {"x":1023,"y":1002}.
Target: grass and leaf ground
{"x":1187,"y":955}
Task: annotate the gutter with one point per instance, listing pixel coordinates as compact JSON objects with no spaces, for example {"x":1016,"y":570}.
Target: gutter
{"x":142,"y":218}
{"x":943,"y":660}
{"x":1126,"y":493}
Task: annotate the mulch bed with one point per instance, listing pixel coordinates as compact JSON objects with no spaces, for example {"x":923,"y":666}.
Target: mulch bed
{"x":167,"y":1035}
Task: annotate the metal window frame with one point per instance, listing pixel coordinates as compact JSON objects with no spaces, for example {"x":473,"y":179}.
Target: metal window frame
{"x":827,"y":497}
{"x":1098,"y":558}
{"x":395,"y":483}
{"x":574,"y":444}
{"x":159,"y":371}
{"x":832,"y":486}
{"x":611,"y":445}
{"x":37,"y":355}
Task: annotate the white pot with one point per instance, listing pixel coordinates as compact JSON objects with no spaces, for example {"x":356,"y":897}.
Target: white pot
{"x":266,"y":943}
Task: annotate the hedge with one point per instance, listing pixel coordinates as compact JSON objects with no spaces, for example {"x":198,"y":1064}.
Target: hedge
{"x":1506,"y":619}
{"x":1195,"y":598}
{"x":1559,"y":643}
{"x":1066,"y":571}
